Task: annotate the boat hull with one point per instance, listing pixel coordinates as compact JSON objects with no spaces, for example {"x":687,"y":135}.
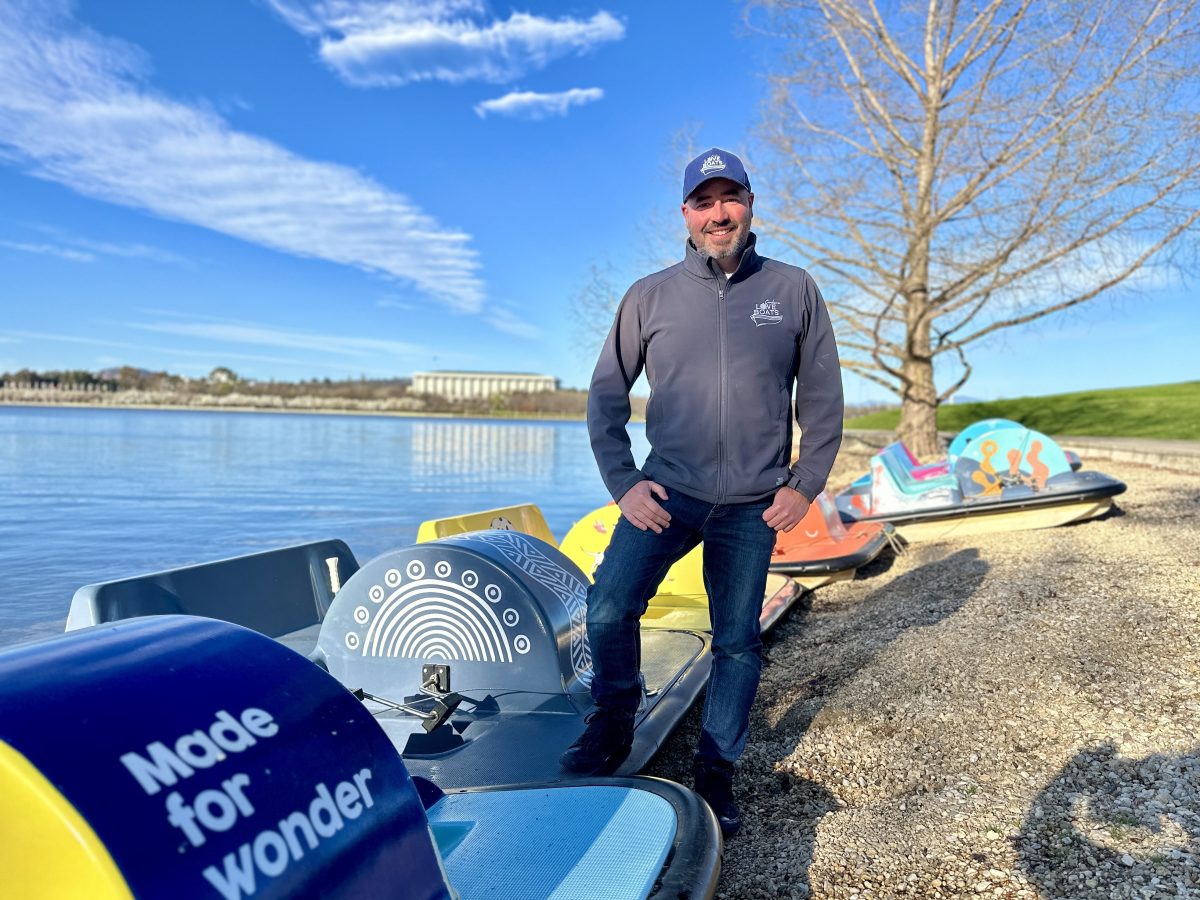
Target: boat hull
{"x":1048,"y":512}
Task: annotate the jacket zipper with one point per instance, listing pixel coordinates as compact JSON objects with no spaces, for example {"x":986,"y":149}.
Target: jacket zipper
{"x":723,"y":376}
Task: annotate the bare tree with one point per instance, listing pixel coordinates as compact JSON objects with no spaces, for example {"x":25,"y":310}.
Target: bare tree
{"x":593,"y":307}
{"x":952,"y":169}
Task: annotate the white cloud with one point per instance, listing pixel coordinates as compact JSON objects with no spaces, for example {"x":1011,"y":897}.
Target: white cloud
{"x":128,"y":251}
{"x":368,"y":354}
{"x":49,"y":250}
{"x":509,"y":322}
{"x":533,"y":106}
{"x":392,"y":303}
{"x":269,"y":336}
{"x":74,"y":110}
{"x":92,"y":248}
{"x":373,"y":43}
{"x":140,"y":350}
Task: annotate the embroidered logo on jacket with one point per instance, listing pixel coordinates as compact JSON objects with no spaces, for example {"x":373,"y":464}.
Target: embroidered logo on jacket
{"x":713,"y":163}
{"x":767,"y":313}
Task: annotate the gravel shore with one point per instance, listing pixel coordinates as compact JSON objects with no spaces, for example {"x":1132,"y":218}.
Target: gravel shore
{"x":1010,"y":715}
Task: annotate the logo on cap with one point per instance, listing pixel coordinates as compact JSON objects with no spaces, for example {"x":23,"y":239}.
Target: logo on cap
{"x":713,"y":163}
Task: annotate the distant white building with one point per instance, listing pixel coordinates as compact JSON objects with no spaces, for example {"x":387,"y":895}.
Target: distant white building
{"x":465,"y":385}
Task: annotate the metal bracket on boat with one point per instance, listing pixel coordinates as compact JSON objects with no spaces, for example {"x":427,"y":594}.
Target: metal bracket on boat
{"x":444,"y":706}
{"x":435,"y":679}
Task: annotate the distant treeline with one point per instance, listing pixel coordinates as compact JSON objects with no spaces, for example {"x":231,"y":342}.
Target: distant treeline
{"x":129,"y":385}
{"x":223,"y":387}
{"x":220,"y":381}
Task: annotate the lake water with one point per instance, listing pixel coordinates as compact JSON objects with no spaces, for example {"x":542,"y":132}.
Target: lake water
{"x":96,"y":494}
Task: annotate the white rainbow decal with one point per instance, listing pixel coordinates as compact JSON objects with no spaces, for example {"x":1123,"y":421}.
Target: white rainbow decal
{"x":436,"y":618}
{"x":571,"y":592}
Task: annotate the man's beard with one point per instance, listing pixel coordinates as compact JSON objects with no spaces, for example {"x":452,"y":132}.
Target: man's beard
{"x":741,"y":240}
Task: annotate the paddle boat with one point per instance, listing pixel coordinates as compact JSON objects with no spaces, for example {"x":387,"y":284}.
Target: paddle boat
{"x":818,"y":551}
{"x":470,"y":651}
{"x":177,"y":756}
{"x":822,"y":549}
{"x":1006,"y":479}
{"x":922,"y":471}
{"x":681,"y":600}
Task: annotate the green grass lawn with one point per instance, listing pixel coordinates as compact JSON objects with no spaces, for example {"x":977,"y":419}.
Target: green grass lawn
{"x":1159,"y":411}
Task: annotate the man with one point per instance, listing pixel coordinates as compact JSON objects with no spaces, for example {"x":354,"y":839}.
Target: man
{"x":723,"y":337}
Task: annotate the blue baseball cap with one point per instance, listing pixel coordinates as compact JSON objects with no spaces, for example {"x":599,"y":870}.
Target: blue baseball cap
{"x":714,"y":163}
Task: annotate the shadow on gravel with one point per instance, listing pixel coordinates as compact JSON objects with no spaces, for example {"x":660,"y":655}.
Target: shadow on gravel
{"x":828,"y":647}
{"x":808,"y":658}
{"x":1114,"y":826}
{"x":1113,"y":512}
{"x":880,"y":564}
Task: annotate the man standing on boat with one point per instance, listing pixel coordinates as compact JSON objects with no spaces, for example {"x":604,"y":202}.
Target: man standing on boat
{"x":723,"y":337}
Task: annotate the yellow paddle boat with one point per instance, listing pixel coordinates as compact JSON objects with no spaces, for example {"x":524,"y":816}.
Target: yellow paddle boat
{"x":681,"y":600}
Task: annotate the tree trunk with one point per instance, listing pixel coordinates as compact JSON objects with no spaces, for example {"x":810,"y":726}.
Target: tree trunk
{"x":918,"y":412}
{"x":919,"y":397}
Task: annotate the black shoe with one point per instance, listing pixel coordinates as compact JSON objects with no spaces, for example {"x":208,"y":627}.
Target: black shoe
{"x":603,"y":745}
{"x":714,"y":782}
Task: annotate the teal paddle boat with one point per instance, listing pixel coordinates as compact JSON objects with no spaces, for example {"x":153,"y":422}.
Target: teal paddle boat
{"x":1005,"y":479}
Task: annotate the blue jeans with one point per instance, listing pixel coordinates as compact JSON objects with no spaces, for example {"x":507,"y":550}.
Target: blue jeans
{"x":737,"y":551}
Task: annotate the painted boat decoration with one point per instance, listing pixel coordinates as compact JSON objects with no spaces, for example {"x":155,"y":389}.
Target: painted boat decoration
{"x":1006,"y":479}
{"x":922,"y":471}
{"x":470,"y":651}
{"x":822,"y":548}
{"x":219,"y":764}
{"x":681,"y":600}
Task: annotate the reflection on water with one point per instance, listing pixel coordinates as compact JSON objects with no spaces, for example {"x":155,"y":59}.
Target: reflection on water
{"x":481,"y":452}
{"x":95,"y":494}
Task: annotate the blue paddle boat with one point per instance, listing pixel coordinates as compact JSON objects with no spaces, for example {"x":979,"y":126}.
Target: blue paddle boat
{"x":183,"y":757}
{"x":470,"y":651}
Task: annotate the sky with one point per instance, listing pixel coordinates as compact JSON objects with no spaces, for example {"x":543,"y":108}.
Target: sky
{"x":341,"y":188}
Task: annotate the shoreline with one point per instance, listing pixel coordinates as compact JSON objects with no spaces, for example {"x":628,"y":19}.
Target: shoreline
{"x":1175,"y":455}
{"x":293,"y":410}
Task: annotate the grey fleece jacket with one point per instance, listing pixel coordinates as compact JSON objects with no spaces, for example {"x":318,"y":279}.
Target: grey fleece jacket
{"x":721,"y":358}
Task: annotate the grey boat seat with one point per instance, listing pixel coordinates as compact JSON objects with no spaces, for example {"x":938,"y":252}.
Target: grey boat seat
{"x":283,"y":593}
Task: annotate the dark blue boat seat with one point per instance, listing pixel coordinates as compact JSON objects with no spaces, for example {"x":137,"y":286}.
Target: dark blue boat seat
{"x":281,"y":593}
{"x":497,"y":617}
{"x":219,"y":764}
